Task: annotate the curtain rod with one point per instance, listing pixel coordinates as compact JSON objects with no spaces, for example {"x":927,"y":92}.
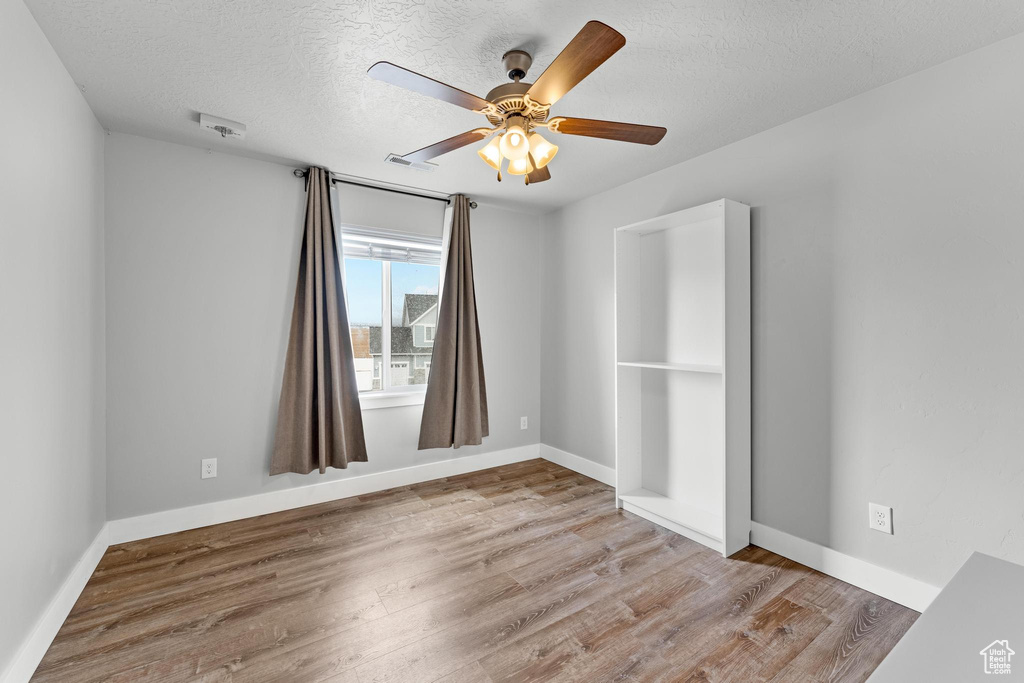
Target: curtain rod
{"x":299,"y":173}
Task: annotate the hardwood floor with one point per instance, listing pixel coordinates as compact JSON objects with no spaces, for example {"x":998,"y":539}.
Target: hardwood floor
{"x":522,"y":572}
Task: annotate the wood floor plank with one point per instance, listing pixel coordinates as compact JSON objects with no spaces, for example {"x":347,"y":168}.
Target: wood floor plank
{"x":175,"y":647}
{"x":316,"y":659}
{"x":603,"y":557}
{"x":863,"y":631}
{"x":741,"y":587}
{"x":553,"y":600}
{"x":446,"y":652}
{"x":568,"y":645}
{"x":762,"y":646}
{"x":467,"y":674}
{"x":521,"y":572}
{"x":527,"y":554}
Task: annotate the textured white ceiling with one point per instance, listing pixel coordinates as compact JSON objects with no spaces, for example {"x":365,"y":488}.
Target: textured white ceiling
{"x":711,"y":71}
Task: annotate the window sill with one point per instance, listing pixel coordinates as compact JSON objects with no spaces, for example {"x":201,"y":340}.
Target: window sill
{"x":391,"y":399}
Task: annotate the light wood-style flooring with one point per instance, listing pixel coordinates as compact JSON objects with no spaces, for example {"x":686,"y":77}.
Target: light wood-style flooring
{"x":519,"y":573}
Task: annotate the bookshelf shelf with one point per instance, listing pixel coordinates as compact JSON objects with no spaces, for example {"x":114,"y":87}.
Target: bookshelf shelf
{"x":680,"y":367}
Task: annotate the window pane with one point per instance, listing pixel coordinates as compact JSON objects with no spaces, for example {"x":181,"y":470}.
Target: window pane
{"x":364,"y":289}
{"x":413,"y":317}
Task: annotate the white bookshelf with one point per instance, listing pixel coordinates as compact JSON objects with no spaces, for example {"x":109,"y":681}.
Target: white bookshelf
{"x":682,"y":389}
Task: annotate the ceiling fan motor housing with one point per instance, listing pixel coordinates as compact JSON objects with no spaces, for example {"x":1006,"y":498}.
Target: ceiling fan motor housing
{"x":508,"y":99}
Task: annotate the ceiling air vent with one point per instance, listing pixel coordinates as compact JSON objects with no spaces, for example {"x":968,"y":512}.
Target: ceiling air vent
{"x":418,"y":165}
{"x":226,"y":128}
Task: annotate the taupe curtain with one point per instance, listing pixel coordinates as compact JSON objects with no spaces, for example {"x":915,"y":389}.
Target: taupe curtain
{"x":455,"y":408}
{"x":318,"y":420}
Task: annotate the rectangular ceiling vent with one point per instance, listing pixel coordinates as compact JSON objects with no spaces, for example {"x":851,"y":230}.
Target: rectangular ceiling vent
{"x":418,"y":165}
{"x":223,"y":127}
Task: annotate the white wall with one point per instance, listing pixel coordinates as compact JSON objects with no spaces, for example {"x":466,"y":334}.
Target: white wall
{"x":202,"y":253}
{"x":52,"y":500}
{"x":888,"y":324}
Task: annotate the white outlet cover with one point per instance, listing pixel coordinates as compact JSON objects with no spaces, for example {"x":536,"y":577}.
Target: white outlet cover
{"x":880,"y":518}
{"x":209,"y":468}
{"x":522,"y":423}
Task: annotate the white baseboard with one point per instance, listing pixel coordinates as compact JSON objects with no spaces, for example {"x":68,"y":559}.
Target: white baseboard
{"x":182,"y":519}
{"x":195,"y":516}
{"x":42,"y":634}
{"x":891,"y":585}
{"x":588,"y":468}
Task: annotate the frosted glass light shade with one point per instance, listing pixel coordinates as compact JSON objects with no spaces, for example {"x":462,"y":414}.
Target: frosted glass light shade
{"x":514,"y":144}
{"x":520,"y":167}
{"x":491,"y":154}
{"x":542,"y":150}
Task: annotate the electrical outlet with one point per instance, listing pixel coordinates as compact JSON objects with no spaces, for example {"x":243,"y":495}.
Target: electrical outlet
{"x":880,"y":518}
{"x":522,"y":423}
{"x":209,"y":468}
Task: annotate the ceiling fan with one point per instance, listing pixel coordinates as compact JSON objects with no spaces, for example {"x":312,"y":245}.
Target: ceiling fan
{"x":517,"y":110}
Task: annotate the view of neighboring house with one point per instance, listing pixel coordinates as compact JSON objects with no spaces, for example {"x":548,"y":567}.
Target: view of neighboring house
{"x":364,"y":361}
{"x":412,"y":343}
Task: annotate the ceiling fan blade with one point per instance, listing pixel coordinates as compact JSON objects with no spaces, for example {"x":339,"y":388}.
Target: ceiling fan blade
{"x":595,"y":43}
{"x":609,"y":130}
{"x":445,"y":146}
{"x":538,"y":175}
{"x":410,"y":80}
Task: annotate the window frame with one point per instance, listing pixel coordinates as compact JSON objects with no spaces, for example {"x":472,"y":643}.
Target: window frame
{"x":390,"y":396}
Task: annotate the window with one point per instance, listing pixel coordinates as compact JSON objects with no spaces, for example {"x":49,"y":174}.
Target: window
{"x":391,"y":281}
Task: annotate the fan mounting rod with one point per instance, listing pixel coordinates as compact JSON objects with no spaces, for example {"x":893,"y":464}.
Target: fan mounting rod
{"x":508,"y":98}
{"x":517,"y":63}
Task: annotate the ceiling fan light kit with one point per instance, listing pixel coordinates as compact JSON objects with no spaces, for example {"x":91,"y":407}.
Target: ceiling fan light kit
{"x":520,"y":167}
{"x":541,"y":150}
{"x":514,"y":145}
{"x":491,"y":154}
{"x":517,"y":109}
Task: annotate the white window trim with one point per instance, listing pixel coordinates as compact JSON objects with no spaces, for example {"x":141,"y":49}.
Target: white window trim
{"x":389,"y":396}
{"x":385,"y":326}
{"x":362,"y":242}
{"x":413,"y":396}
{"x":431,"y":329}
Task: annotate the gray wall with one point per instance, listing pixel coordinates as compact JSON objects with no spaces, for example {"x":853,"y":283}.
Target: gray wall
{"x":52,"y":500}
{"x":888,"y":276}
{"x":202,"y":253}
